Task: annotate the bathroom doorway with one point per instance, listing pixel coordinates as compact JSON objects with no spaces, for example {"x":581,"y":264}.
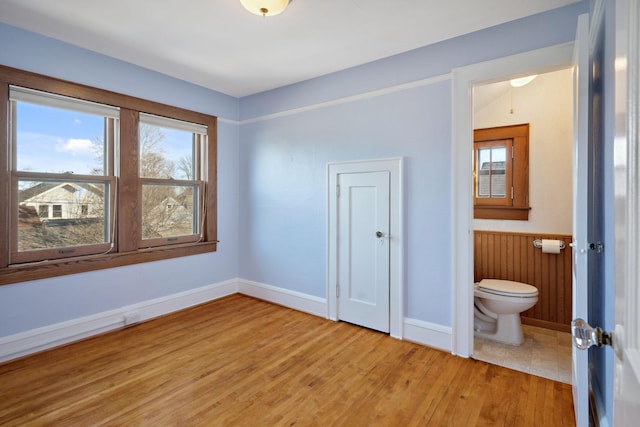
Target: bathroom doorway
{"x":504,"y":248}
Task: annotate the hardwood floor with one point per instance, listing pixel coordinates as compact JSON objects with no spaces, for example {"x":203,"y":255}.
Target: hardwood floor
{"x":244,"y":362}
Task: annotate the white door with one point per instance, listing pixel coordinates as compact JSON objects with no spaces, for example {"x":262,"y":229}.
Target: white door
{"x":363,"y":249}
{"x":580,"y":244}
{"x":626,"y":340}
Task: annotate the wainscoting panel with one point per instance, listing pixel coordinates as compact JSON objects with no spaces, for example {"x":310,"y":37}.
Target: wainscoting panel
{"x":512,"y":256}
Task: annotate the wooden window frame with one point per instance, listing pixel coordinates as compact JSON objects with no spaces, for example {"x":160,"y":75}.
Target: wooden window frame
{"x":517,"y":169}
{"x":128,"y":208}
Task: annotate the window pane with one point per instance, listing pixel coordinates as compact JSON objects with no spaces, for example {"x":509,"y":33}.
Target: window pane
{"x":491,"y":169}
{"x":498,"y":169}
{"x":56,"y":140}
{"x":483,"y":169}
{"x":77,"y":216}
{"x":169,"y":210}
{"x":166,"y":153}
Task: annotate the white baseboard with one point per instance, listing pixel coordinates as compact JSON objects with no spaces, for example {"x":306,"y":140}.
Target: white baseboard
{"x":429,"y":334}
{"x":32,"y":341}
{"x":292,"y":299}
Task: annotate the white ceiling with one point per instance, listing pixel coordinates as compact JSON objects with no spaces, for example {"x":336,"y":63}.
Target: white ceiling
{"x":219,"y":45}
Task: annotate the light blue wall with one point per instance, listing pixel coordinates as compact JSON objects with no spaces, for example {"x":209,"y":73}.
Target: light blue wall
{"x":24,"y":306}
{"x":284,"y":158}
{"x":284,"y":211}
{"x":272,"y":173}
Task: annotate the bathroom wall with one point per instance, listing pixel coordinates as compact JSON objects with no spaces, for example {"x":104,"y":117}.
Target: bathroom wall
{"x":504,"y":249}
{"x":511,"y":256}
{"x":547,"y":105}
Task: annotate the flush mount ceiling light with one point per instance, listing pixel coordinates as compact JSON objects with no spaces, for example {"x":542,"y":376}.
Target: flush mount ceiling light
{"x":265,"y":7}
{"x":522,"y":81}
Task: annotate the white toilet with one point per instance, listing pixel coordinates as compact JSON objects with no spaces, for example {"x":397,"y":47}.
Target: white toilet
{"x":497,"y":308}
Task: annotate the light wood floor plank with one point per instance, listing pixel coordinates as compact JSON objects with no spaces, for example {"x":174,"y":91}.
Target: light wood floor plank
{"x":239,"y":361}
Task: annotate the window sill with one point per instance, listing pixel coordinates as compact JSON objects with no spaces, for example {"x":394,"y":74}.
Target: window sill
{"x":42,"y":270}
{"x":501,"y":212}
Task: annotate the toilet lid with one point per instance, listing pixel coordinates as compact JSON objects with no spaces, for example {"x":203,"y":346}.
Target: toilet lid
{"x":507,"y":287}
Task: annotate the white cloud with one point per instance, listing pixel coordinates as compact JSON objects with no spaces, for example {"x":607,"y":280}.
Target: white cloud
{"x":77,"y":146}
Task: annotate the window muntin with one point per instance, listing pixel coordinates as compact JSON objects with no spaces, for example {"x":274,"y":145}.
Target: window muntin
{"x":61,"y":161}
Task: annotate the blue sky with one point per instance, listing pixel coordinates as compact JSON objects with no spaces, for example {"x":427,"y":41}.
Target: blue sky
{"x":56,"y":140}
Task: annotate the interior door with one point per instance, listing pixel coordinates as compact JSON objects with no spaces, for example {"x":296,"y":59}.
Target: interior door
{"x":363,"y":249}
{"x":580,"y":244}
{"x":626,"y":396}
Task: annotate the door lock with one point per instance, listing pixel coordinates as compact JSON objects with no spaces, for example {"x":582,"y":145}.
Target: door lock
{"x":379,"y":234}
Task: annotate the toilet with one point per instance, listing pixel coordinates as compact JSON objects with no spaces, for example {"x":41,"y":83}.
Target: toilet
{"x":497,"y":308}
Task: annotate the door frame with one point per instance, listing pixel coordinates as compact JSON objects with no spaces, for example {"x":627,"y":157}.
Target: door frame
{"x":396,"y":241}
{"x":464,"y":79}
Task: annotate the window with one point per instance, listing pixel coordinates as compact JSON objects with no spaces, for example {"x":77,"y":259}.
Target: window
{"x":170,"y":179}
{"x":59,"y":159}
{"x":100,"y":179}
{"x":57,"y":213}
{"x":501,"y":173}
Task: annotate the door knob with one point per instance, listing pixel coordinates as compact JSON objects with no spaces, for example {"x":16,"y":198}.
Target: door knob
{"x":379,"y":234}
{"x":585,"y":336}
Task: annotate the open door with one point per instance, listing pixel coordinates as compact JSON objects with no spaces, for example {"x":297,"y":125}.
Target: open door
{"x":626,"y":339}
{"x":580,"y":243}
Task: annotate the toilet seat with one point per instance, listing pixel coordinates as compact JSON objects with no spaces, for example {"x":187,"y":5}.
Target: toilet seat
{"x":507,"y":288}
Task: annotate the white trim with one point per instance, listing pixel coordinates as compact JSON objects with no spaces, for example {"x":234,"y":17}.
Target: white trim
{"x":167,"y":122}
{"x":396,"y":262}
{"x":32,"y":341}
{"x":39,"y":97}
{"x":533,"y":62}
{"x":597,"y":19}
{"x":39,"y":339}
{"x":285,"y":297}
{"x":428,"y":334}
{"x":352,"y":98}
{"x":228,"y":121}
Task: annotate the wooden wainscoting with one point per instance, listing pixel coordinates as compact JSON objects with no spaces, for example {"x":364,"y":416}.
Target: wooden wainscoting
{"x":512,"y":256}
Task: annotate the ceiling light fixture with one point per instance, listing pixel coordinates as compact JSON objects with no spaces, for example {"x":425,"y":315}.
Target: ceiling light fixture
{"x":265,"y":7}
{"x":522,"y":81}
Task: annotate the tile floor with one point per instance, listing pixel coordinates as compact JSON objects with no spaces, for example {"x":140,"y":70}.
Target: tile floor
{"x":545,"y":353}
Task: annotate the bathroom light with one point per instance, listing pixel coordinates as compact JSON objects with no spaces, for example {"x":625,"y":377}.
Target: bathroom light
{"x":522,"y":81}
{"x":265,"y":7}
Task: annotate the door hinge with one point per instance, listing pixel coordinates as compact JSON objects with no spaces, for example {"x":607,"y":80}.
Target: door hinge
{"x":337,"y":290}
{"x":585,"y":336}
{"x":597,"y":246}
